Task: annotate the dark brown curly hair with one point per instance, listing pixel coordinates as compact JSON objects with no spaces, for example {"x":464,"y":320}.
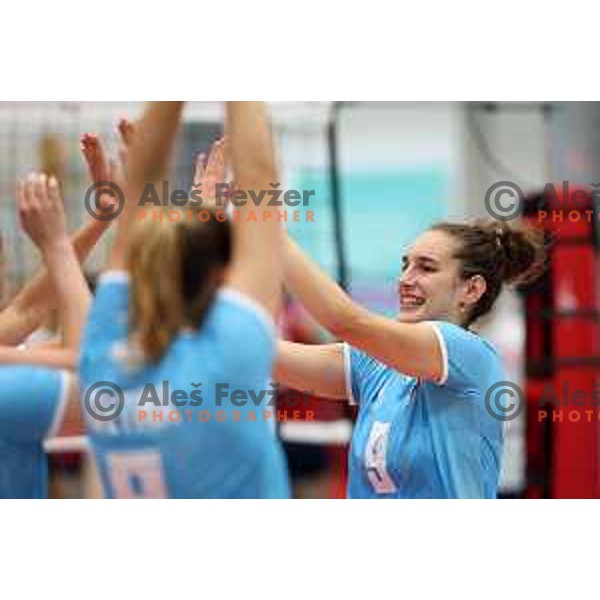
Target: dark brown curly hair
{"x":501,"y":252}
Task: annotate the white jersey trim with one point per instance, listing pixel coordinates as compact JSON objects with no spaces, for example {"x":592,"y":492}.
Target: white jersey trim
{"x":444,"y":351}
{"x":114,"y":276}
{"x":348,"y":374}
{"x":66,"y":379}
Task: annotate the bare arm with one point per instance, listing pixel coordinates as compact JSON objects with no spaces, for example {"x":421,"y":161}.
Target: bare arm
{"x":256,"y":268}
{"x":148,"y":151}
{"x":411,"y":348}
{"x":151,"y":144}
{"x":57,"y":357}
{"x":30,"y":308}
{"x":314,"y":368}
{"x":42,"y":217}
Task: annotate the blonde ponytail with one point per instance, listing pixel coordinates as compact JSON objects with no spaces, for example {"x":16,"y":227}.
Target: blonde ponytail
{"x":174,"y":266}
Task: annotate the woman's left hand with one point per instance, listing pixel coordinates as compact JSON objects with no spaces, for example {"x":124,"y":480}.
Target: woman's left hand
{"x":41,"y":211}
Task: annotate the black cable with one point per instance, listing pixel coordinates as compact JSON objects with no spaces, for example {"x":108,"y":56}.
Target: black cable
{"x":336,"y":201}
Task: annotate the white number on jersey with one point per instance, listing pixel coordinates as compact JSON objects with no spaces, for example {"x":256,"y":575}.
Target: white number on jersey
{"x":136,"y":474}
{"x":375,"y":459}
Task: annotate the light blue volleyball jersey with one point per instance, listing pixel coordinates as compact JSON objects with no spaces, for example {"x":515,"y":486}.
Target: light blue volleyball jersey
{"x":218,"y":447}
{"x":32,"y":401}
{"x":420,"y":439}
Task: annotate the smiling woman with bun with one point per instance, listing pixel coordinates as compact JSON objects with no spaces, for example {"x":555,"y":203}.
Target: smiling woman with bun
{"x":420,"y":380}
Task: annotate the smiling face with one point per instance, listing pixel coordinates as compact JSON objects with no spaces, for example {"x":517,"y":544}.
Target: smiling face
{"x":430,"y":287}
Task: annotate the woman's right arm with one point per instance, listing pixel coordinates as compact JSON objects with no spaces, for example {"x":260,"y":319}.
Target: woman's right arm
{"x":257,"y":265}
{"x":31,"y":306}
{"x":42,"y":217}
{"x":318,"y":369}
{"x":148,"y":151}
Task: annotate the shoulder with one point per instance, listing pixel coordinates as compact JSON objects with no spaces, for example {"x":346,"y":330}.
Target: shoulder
{"x":451,"y":333}
{"x":363,"y":374}
{"x":467,"y":357}
{"x":241,"y":329}
{"x":22,"y":377}
{"x":235,"y":311}
{"x":32,"y":400}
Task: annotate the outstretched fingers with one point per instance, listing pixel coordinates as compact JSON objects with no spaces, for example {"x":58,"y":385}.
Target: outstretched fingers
{"x":126,"y":130}
{"x":40,"y":209}
{"x":216,"y":163}
{"x":94,"y":156}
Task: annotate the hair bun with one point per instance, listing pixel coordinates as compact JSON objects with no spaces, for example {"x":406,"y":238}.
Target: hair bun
{"x":523,"y":247}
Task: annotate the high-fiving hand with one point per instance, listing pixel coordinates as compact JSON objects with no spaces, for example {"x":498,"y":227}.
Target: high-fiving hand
{"x":95,"y":157}
{"x":211,"y":172}
{"x":41,"y":211}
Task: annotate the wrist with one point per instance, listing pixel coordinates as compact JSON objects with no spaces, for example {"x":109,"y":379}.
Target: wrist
{"x":57,"y":247}
{"x":95,"y":224}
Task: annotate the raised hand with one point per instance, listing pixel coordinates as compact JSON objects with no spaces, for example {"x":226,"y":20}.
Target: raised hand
{"x":100,"y":169}
{"x":210,"y":172}
{"x":42,"y":217}
{"x":41,"y":211}
{"x":126,"y":131}
{"x":95,"y":157}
